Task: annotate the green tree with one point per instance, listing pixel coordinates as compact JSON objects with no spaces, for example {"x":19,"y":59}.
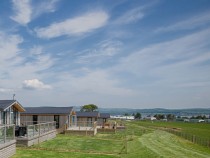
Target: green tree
{"x":159,"y":116}
{"x":137,"y":115}
{"x":170,"y":117}
{"x":89,"y":108}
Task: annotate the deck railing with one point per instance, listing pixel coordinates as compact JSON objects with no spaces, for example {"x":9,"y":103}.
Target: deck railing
{"x":7,"y":133}
{"x":81,"y":125}
{"x":38,"y":129}
{"x":33,"y":130}
{"x":108,"y":125}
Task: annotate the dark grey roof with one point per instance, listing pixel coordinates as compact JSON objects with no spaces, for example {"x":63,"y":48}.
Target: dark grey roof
{"x":104,"y":115}
{"x":48,"y":110}
{"x":87,"y":114}
{"x":4,"y":104}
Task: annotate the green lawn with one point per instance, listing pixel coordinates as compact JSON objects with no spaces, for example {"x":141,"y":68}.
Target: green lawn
{"x":83,"y":143}
{"x":25,"y":153}
{"x":138,"y":140}
{"x":201,"y":130}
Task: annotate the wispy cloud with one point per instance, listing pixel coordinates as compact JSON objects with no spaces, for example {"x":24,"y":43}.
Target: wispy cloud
{"x":100,"y":52}
{"x":172,"y":61}
{"x":9,"y":48}
{"x":6,"y":90}
{"x":74,"y":26}
{"x":130,"y":16}
{"x":15,"y":68}
{"x":90,"y":80}
{"x":194,"y":84}
{"x":46,"y":6}
{"x":36,"y":50}
{"x":186,"y":24}
{"x":35,"y":84}
{"x":23,"y":11}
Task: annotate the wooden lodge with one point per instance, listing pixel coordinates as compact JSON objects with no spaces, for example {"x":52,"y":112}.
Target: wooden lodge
{"x":9,"y":119}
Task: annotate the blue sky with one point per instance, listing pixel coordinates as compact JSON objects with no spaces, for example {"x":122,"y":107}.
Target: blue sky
{"x":122,"y":53}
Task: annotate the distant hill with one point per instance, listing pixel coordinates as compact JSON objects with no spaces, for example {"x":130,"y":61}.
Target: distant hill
{"x":145,"y":112}
{"x":177,"y":112}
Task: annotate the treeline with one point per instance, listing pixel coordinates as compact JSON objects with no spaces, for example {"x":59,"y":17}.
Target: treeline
{"x":136,"y":115}
{"x":203,"y":117}
{"x":162,"y":116}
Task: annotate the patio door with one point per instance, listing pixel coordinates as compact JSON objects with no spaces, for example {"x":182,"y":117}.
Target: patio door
{"x":56,"y":119}
{"x":4,"y":117}
{"x":89,"y":121}
{"x":35,"y":119}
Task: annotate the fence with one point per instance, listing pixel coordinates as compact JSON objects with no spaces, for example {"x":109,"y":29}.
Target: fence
{"x":7,"y":133}
{"x":82,"y":128}
{"x":38,"y":129}
{"x":190,"y":137}
{"x":86,"y":124}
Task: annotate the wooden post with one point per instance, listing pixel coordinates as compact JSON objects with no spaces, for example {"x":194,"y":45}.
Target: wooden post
{"x":33,"y":130}
{"x":126,"y":146}
{"x":193,"y":139}
{"x":86,"y":131}
{"x":13,"y":131}
{"x":5,"y":133}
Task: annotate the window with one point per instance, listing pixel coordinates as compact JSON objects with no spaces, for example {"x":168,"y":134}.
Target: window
{"x":56,"y":119}
{"x":35,"y":119}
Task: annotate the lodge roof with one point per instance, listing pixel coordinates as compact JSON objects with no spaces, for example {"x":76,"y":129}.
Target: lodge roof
{"x":104,"y":115}
{"x":87,"y":114}
{"x":4,"y":104}
{"x":48,"y":110}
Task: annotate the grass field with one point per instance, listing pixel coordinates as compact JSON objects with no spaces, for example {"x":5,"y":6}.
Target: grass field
{"x":198,"y":129}
{"x":138,"y":140}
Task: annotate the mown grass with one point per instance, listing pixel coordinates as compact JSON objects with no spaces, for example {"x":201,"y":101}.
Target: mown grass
{"x":26,"y":153}
{"x":83,"y":143}
{"x":138,"y":140}
{"x":201,"y":130}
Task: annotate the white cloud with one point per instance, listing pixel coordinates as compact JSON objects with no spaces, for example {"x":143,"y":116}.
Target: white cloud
{"x":186,"y":24}
{"x":6,"y":90}
{"x":74,"y":26}
{"x":45,"y":6}
{"x":35,"y":84}
{"x":23,"y":11}
{"x":26,"y":10}
{"x":130,"y":16}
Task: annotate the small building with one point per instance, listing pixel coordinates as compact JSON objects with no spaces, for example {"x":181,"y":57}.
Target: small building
{"x":10,"y":112}
{"x":87,"y":117}
{"x":61,"y":115}
{"x":103,"y":118}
